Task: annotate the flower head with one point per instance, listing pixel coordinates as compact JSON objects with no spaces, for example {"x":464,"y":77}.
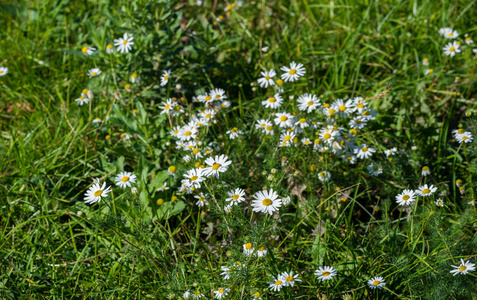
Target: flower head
{"x":96,"y":192}
{"x":463,"y":268}
{"x":124,"y":44}
{"x":325,"y":273}
{"x":292,"y":73}
{"x":266,"y":202}
{"x":376,"y":282}
{"x":124,"y":179}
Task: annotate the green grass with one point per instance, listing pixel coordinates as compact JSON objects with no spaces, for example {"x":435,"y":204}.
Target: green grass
{"x":54,"y":246}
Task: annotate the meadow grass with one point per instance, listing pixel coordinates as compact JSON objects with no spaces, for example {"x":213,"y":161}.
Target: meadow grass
{"x":148,"y":243}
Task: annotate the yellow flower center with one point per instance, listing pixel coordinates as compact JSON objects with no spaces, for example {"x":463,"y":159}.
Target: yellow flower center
{"x":451,"y":33}
{"x":451,"y":49}
{"x":376,"y":282}
{"x":267,"y":77}
{"x":187,"y":133}
{"x":267,"y":202}
{"x":235,"y":129}
{"x":292,"y":72}
{"x":195,"y":151}
{"x":261,"y":248}
{"x":462,"y":268}
{"x":248,"y":246}
{"x":357,"y":121}
{"x":263,"y":125}
{"x":272,"y":100}
{"x":208,"y":115}
{"x":280,"y":82}
{"x":167,"y":106}
{"x":194,"y":178}
{"x":464,"y":138}
{"x":98,"y":193}
{"x":311,"y":103}
{"x":342,"y":108}
{"x":431,"y":70}
{"x":302,"y":120}
{"x":208,"y":98}
{"x":460,"y":131}
{"x":216,"y":166}
{"x":269,"y":128}
{"x":287,"y":138}
{"x":125,"y":179}
{"x":405,"y":197}
{"x":331,"y":111}
{"x":361,"y":105}
{"x":85,"y":91}
{"x":197,"y":293}
{"x":283,"y":118}
{"x":290,"y":278}
{"x":426,"y":191}
{"x":327,"y":136}
{"x":425,"y":168}
{"x":93,"y":73}
{"x":221,"y":290}
{"x":84,"y":49}
{"x":325,"y":273}
{"x":166,"y":77}
{"x":125,"y":42}
{"x":364,"y":149}
{"x":257,"y":294}
{"x":278,"y":282}
{"x":217,"y":96}
{"x":109,"y":46}
{"x":235,"y":197}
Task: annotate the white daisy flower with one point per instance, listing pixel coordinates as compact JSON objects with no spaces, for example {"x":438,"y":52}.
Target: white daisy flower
{"x":358,"y":122}
{"x":287,"y":137}
{"x":269,"y":129}
{"x":187,"y":295}
{"x":425,"y":62}
{"x":221,"y":293}
{"x":262,"y":251}
{"x":267,"y":80}
{"x":165,"y":77}
{"x":308,"y":102}
{"x":376,"y":282}
{"x":234,"y":133}
{"x":236,"y":196}
{"x":218,"y":94}
{"x":325,"y":273}
{"x":284,"y":119}
{"x":391,"y":151}
{"x":306,"y":141}
{"x":425,"y":171}
{"x":289,"y":279}
{"x":197,"y":295}
{"x":465,"y":137}
{"x":468,"y":40}
{"x":96,"y":192}
{"x":273,"y":102}
{"x":276,"y":284}
{"x":407,"y":197}
{"x":217,"y":165}
{"x":364,"y":152}
{"x":444,"y":31}
{"x":451,"y":34}
{"x":451,"y":49}
{"x":109,"y":49}
{"x":164,"y":187}
{"x":374,"y":170}
{"x":425,"y":190}
{"x":94,"y":72}
{"x":262,"y":124}
{"x":3,"y":71}
{"x":324,"y":176}
{"x":293,"y":73}
{"x":167,"y":106}
{"x":248,"y":249}
{"x":228,"y":208}
{"x":193,"y":178}
{"x":428,"y":71}
{"x":266,"y":202}
{"x":97,"y":120}
{"x":124,"y":44}
{"x":343,"y":108}
{"x":349,"y":157}
{"x":201,"y":200}
{"x":188,"y":133}
{"x":302,"y":123}
{"x":367,"y":113}
{"x":82,"y":99}
{"x":225,"y":104}
{"x":463,"y":268}
{"x":439,"y":202}
{"x":124,"y":179}
{"x":256,"y":296}
{"x":88,"y":50}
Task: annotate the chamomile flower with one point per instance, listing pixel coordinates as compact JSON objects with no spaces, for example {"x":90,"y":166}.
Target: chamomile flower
{"x":167,"y":106}
{"x":425,"y":190}
{"x":188,"y":133}
{"x":364,"y":152}
{"x":82,"y":99}
{"x":428,"y":71}
{"x":164,"y":187}
{"x":343,"y":108}
{"x":390,"y":152}
{"x":286,"y":200}
{"x":451,"y":34}
{"x":172,"y":170}
{"x":273,"y":102}
{"x":187,"y":294}
{"x":234,"y":133}
{"x":349,"y":157}
{"x":225,"y":104}
{"x":261,"y":124}
{"x":443,"y":31}
{"x":306,"y":141}
{"x":165,"y":77}
{"x":465,"y":137}
{"x":289,"y":279}
{"x":407,"y":197}
{"x":197,"y":295}
{"x":302,"y":123}
{"x":193,"y":178}
{"x":94,"y":72}
{"x":376,"y":282}
{"x":308,"y":102}
{"x":374,"y":170}
{"x":287,"y":137}
{"x":201,"y":200}
{"x":425,"y":171}
{"x":267,"y":80}
{"x":109,"y":49}
{"x":96,"y":120}
{"x":207,"y":114}
{"x":236,"y":196}
{"x":324,"y":176}
{"x":269,"y":129}
{"x":451,"y":49}
{"x":276,"y":284}
{"x":216,"y":165}
{"x":226,"y":272}
{"x":3,"y":71}
{"x":468,"y":40}
{"x":248,"y":249}
{"x":425,"y":62}
{"x":266,"y":202}
{"x":257,"y":296}
{"x":88,"y":50}
{"x":124,"y":179}
{"x":221,"y":293}
{"x":96,"y":192}
{"x":218,"y":94}
{"x":439,"y":202}
{"x":325,"y":273}
{"x":358,"y":122}
{"x":464,"y":268}
{"x":368,"y":114}
{"x":293,"y":73}
{"x":262,"y":251}
{"x":124,"y":44}
{"x":284,"y":119}
{"x":228,"y":208}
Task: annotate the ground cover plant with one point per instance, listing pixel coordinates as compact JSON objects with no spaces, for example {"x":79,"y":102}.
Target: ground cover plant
{"x":238,"y":150}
